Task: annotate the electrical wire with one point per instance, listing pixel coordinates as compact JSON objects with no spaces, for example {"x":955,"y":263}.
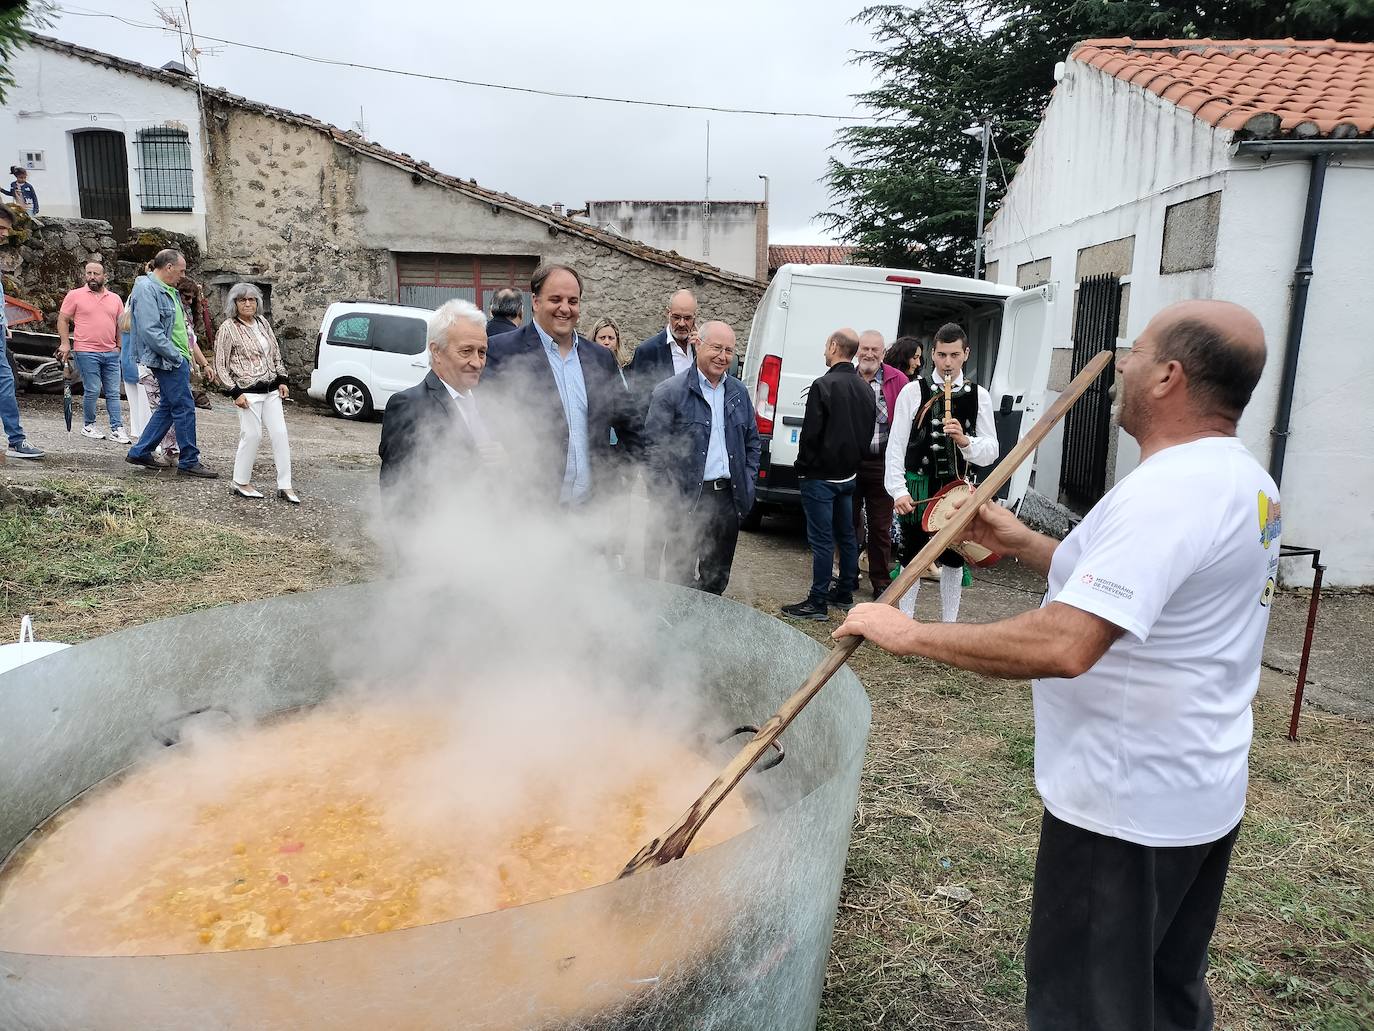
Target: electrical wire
{"x":340,"y":63}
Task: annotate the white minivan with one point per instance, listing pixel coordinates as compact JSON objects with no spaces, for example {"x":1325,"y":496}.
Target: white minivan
{"x":1008,"y":331}
{"x":365,"y":352}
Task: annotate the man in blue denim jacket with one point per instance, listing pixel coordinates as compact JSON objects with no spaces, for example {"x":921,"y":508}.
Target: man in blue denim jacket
{"x":703,"y":447}
{"x":18,"y":447}
{"x":162,"y":344}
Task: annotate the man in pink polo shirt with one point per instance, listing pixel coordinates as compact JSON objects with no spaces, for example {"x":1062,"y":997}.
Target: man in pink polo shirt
{"x":89,"y":326}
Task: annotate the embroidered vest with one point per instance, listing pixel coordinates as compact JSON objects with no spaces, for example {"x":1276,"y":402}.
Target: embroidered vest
{"x":929,"y":451}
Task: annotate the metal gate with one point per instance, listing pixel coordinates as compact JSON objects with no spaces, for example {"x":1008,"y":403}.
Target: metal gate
{"x":1087,"y":427}
{"x":102,"y":177}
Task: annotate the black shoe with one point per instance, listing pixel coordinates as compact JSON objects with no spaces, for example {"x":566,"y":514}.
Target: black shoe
{"x":807,"y":609}
{"x":147,"y":461}
{"x":197,"y":470}
{"x":840,"y":599}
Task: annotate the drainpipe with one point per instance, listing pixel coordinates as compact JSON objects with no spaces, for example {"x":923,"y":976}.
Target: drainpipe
{"x":1302,"y":279}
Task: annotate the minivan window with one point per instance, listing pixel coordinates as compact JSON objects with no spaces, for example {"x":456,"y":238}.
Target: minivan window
{"x":398,"y":334}
{"x":395,"y":334}
{"x":349,"y":329}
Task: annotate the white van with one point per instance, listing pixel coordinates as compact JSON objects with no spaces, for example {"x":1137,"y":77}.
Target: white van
{"x":365,"y":352}
{"x":1008,"y":331}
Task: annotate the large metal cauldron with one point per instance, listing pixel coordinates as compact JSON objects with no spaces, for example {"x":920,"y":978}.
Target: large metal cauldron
{"x":735,"y":936}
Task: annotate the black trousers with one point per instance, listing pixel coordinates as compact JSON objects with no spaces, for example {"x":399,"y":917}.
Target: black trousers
{"x":1119,"y":932}
{"x":704,"y":541}
{"x":873,"y":513}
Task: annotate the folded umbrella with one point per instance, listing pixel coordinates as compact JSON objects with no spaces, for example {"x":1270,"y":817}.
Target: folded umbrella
{"x":67,"y":394}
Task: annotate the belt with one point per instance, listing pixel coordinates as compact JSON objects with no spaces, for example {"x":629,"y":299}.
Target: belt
{"x":716,"y":484}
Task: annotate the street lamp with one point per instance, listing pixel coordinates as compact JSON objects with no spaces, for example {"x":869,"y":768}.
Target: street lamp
{"x":983,"y":131}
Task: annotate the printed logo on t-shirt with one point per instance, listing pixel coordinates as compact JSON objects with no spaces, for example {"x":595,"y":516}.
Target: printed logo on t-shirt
{"x":1110,"y":587}
{"x":1267,"y":595}
{"x":1270,"y":519}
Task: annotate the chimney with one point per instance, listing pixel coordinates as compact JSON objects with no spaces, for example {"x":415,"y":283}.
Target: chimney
{"x":557,"y":208}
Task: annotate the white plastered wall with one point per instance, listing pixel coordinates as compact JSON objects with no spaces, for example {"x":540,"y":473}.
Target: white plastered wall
{"x":56,"y":94}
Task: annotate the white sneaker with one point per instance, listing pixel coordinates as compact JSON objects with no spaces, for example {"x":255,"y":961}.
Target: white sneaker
{"x":91,"y":431}
{"x":120,"y":437}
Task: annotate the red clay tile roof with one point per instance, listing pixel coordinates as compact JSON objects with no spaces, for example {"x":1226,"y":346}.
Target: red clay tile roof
{"x":808,"y":254}
{"x":1262,"y":88}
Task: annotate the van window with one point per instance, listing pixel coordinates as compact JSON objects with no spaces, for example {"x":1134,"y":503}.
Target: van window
{"x":397,"y":334}
{"x":350,"y":330}
{"x":394,"y":334}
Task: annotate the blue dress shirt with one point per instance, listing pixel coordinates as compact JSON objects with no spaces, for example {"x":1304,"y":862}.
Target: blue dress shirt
{"x":572,"y":391}
{"x":717,"y":458}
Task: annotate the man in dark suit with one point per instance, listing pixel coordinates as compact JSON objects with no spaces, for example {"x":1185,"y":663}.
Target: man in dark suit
{"x":434,"y":430}
{"x":562,"y":397}
{"x":669,"y":352}
{"x":507,"y":312}
{"x":702,"y":451}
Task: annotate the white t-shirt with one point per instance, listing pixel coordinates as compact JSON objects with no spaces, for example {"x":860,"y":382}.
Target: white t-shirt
{"x":1152,"y":744}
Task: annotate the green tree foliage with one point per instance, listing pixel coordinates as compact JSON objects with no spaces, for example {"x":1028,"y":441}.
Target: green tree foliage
{"x":17,"y":19}
{"x":911,"y":179}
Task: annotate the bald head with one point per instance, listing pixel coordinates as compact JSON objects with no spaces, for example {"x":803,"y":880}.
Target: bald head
{"x":682,"y":316}
{"x":841,"y":346}
{"x":1220,"y":347}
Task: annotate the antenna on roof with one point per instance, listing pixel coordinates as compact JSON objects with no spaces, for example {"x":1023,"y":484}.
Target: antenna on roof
{"x":180,"y":23}
{"x":706,"y":203}
{"x":360,"y":126}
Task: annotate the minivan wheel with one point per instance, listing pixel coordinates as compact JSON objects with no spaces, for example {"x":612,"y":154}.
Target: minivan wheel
{"x":350,"y":399}
{"x":753,"y":520}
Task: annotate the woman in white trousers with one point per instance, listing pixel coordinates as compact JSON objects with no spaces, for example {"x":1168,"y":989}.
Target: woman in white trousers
{"x":248,"y":363}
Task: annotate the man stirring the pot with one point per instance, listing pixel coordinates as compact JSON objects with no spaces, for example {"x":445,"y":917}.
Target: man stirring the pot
{"x":1146,"y":654}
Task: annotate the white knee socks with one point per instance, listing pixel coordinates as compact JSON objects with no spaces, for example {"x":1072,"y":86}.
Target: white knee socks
{"x":951,"y":587}
{"x":907,"y":602}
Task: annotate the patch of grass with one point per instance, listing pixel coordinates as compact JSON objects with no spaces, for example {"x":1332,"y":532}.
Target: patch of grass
{"x":948,"y":800}
{"x":85,"y":559}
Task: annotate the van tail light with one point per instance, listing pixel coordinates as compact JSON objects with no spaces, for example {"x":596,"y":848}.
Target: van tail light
{"x":319,"y":339}
{"x":766,"y":393}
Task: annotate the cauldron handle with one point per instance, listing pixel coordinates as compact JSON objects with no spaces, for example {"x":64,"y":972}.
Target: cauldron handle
{"x":673,"y":843}
{"x":168,"y":733}
{"x":775,"y":744}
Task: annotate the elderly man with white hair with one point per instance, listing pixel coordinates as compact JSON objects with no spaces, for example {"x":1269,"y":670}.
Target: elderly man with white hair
{"x":248,"y":363}
{"x":437,"y":422}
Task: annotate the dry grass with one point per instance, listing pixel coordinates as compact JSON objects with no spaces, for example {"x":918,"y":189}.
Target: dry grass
{"x":936,"y":900}
{"x":88,"y":559}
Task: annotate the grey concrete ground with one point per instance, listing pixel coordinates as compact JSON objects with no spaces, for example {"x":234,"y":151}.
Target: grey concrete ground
{"x":335,"y":471}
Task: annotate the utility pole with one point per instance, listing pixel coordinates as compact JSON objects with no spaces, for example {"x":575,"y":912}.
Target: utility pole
{"x":983,"y":130}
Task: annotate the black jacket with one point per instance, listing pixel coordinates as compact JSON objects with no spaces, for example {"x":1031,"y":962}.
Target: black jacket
{"x":534,"y":429}
{"x":838,"y":426}
{"x":651,"y":365}
{"x":498,"y":325}
{"x":421,"y":427}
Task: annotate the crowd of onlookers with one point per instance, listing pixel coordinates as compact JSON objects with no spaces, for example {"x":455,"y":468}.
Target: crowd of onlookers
{"x":573,"y":420}
{"x":145,"y":351}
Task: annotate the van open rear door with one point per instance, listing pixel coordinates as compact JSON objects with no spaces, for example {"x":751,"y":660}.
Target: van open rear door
{"x":1022,"y":373}
{"x":816,"y":307}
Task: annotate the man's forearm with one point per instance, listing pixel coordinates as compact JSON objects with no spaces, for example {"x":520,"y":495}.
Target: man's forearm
{"x":62,"y":332}
{"x":1037,"y":552}
{"x":1039,"y":643}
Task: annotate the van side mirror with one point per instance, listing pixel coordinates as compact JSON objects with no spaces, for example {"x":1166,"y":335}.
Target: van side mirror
{"x":1006,"y":405}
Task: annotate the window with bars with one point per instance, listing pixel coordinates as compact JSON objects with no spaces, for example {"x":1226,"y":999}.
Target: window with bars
{"x":428,"y":280}
{"x":165,"y":170}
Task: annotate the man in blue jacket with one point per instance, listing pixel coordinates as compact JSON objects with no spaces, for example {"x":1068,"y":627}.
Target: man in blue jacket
{"x":160,"y":339}
{"x":702,"y":446}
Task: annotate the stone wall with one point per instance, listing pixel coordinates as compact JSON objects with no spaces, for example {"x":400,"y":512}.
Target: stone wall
{"x":314,"y":221}
{"x":45,"y":257}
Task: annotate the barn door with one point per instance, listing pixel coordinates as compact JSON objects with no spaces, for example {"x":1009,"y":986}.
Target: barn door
{"x":1088,"y":425}
{"x":102,"y":177}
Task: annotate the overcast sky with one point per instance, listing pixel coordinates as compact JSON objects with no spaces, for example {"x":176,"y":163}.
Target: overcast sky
{"x":774,"y":54}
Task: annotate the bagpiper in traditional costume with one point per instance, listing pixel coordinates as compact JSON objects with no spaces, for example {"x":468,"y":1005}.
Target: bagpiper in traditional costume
{"x":922,"y":457}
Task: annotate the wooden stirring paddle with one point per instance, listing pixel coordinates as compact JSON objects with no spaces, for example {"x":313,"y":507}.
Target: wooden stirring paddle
{"x":673,"y":844}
